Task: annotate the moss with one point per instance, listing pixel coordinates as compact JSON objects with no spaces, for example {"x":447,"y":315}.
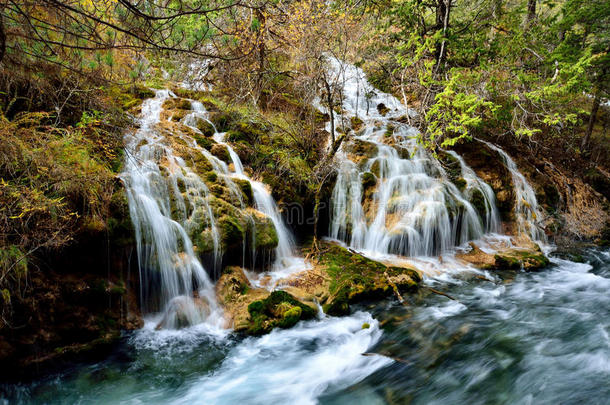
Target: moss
{"x":141,"y":92}
{"x":130,"y":103}
{"x":517,"y":259}
{"x":206,"y":128}
{"x":368,"y":180}
{"x":291,"y":317}
{"x":177,"y":104}
{"x":255,"y":307}
{"x":245,"y":131}
{"x":354,"y":277}
{"x":221,"y":152}
{"x":279,"y":309}
{"x":232,"y":231}
{"x":389,"y":131}
{"x":452,"y":168}
{"x":375,"y":168}
{"x":460,"y":183}
{"x":362,"y":148}
{"x":507,"y":262}
{"x":204,"y":142}
{"x":356,"y":123}
{"x":221,"y":120}
{"x":265,"y":235}
{"x":477,"y":199}
{"x":211,"y":176}
{"x":246,"y":189}
{"x":209,"y":103}
{"x":382,"y":109}
{"x":338,"y":304}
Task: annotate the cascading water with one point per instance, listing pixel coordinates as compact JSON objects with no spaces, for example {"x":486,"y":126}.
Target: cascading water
{"x":415,"y":210}
{"x":286,"y":262}
{"x":527,"y":210}
{"x":170,"y":270}
{"x":475,"y":184}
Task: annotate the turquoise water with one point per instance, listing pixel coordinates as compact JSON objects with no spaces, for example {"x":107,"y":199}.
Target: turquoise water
{"x":520,"y":338}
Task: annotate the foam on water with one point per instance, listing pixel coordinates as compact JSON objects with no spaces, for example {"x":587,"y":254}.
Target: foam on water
{"x":293,"y":366}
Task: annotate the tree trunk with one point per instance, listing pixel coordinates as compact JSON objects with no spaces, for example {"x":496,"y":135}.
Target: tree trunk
{"x":2,"y":39}
{"x":331,"y":112}
{"x":443,"y":9}
{"x":531,"y":10}
{"x":585,"y":141}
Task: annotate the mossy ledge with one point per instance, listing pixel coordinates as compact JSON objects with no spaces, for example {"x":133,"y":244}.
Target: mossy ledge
{"x":339,"y":277}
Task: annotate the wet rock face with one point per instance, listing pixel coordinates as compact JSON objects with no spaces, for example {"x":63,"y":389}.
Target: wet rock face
{"x":76,"y":305}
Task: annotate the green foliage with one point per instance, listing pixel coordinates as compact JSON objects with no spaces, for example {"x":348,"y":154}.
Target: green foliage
{"x":501,"y":72}
{"x":455,"y":113}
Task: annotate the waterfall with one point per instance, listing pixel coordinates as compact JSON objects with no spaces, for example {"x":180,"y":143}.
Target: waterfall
{"x":411,"y":207}
{"x":286,"y":262}
{"x":527,"y":211}
{"x":475,"y":184}
{"x":170,"y":270}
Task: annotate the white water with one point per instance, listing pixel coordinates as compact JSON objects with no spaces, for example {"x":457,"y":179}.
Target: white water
{"x":286,"y":261}
{"x":526,"y":206}
{"x":169,"y":268}
{"x":473,"y":183}
{"x":415,"y":209}
{"x":293,"y":366}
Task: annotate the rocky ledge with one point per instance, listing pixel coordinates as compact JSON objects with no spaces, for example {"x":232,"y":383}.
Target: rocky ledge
{"x":339,"y":277}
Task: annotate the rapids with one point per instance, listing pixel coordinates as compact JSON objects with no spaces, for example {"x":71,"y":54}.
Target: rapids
{"x":523,"y":338}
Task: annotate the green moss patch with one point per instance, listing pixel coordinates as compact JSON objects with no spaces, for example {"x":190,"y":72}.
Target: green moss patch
{"x":279,"y":309}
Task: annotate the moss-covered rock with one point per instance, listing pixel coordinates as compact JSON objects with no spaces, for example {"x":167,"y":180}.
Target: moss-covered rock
{"x":368,"y":180}
{"x":382,"y":109}
{"x":246,"y":189}
{"x":528,"y":257}
{"x":279,"y":309}
{"x":232,"y":231}
{"x":356,"y":123}
{"x":360,"y":148}
{"x":265,"y":235}
{"x":206,"y":127}
{"x":176,"y":103}
{"x":477,"y":199}
{"x":221,"y":152}
{"x":341,"y":277}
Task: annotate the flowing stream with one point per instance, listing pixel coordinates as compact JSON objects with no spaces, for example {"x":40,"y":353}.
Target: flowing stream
{"x":508,"y":338}
{"x":524,"y":338}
